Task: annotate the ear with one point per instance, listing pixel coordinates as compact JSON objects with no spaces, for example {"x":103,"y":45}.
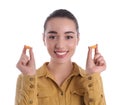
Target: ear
{"x":44,"y":38}
{"x":78,"y":38}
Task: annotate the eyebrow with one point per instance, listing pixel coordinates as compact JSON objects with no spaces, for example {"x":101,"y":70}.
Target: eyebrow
{"x":68,"y":32}
{"x":54,"y":32}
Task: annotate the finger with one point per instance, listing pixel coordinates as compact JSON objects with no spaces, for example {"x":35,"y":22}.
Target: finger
{"x":97,"y":55}
{"x":24,"y":59}
{"x":97,"y":58}
{"x":96,"y":49}
{"x":100,"y":61}
{"x":24,"y":50}
{"x":24,"y":62}
{"x":23,"y":54}
{"x":31,"y":55}
{"x":89,"y":55}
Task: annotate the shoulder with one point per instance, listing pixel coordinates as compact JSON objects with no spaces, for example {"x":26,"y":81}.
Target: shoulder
{"x":42,"y":70}
{"x":81,"y":71}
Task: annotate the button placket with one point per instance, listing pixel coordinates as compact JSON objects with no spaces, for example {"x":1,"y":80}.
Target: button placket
{"x":62,"y":93}
{"x":62,"y":97}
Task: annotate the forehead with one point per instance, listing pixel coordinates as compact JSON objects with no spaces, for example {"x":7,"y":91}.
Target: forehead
{"x":61,"y":23}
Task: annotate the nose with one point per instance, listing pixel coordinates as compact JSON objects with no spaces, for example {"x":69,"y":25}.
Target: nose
{"x":60,"y":43}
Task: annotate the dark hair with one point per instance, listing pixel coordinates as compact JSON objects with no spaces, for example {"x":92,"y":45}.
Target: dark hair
{"x":62,"y":13}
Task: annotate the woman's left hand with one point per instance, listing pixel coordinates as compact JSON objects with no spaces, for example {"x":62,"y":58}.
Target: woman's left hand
{"x":95,"y":64}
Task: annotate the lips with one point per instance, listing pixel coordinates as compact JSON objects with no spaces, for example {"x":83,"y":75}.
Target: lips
{"x":61,"y":53}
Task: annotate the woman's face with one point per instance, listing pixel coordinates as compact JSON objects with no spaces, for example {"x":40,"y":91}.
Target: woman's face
{"x":61,"y":39}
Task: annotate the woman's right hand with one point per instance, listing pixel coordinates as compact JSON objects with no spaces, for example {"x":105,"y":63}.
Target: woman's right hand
{"x":26,"y":64}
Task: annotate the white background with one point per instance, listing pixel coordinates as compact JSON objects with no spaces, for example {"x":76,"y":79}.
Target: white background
{"x":21,"y":22}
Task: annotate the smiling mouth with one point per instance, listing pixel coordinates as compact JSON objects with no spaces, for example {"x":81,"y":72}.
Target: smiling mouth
{"x":61,"y":53}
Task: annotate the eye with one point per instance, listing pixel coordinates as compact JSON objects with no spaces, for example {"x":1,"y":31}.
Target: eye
{"x":52,"y":37}
{"x":69,"y":37}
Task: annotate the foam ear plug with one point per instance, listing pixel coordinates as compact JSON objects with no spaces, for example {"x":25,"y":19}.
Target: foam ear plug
{"x":27,"y":47}
{"x":93,"y":47}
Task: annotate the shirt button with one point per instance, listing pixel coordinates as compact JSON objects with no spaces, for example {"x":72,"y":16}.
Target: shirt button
{"x":31,"y":86}
{"x":31,"y":102}
{"x":90,"y":85}
{"x":61,"y":93}
{"x":102,"y":95}
{"x":91,"y":100}
{"x":89,"y":78}
{"x":31,"y":79}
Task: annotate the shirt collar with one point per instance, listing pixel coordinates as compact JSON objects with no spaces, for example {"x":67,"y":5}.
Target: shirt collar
{"x":77,"y":70}
{"x":43,"y":71}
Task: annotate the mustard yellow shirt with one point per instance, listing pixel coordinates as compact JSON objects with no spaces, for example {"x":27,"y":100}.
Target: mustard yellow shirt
{"x":78,"y":89}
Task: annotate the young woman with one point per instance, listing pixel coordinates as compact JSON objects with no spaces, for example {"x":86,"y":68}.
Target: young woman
{"x":60,"y":81}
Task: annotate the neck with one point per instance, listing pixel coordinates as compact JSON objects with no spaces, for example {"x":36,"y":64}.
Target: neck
{"x":61,"y":68}
{"x":60,"y":71}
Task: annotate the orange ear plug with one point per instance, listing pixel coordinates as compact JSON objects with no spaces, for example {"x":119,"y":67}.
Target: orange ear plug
{"x":93,"y":47}
{"x":27,"y":47}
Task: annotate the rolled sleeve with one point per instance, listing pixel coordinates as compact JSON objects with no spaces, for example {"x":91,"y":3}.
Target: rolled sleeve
{"x":94,"y":94}
{"x":29,"y":82}
{"x":26,"y":92}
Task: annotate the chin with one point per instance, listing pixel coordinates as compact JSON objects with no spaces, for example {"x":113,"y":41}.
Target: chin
{"x":60,"y":61}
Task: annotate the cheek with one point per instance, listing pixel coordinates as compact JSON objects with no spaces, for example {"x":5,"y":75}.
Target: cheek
{"x":49,"y":46}
{"x":72,"y":48}
{"x":73,"y":45}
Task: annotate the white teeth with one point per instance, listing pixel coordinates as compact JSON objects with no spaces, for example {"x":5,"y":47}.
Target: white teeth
{"x":61,"y":53}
